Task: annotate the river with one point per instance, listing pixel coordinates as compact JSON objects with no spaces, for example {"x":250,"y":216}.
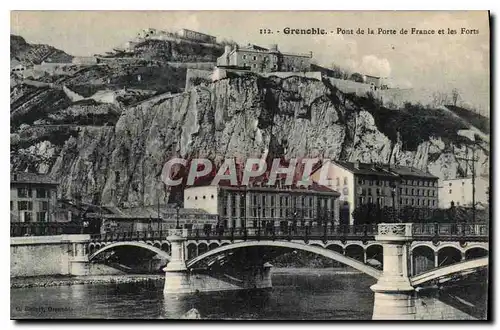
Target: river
{"x":297,"y":294}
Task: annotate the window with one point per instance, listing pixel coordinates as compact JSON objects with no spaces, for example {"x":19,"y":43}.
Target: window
{"x":244,"y":57}
{"x":370,"y":200}
{"x":370,"y":182}
{"x":338,"y":181}
{"x":450,"y":184}
{"x":418,"y":201}
{"x":400,"y":201}
{"x":413,"y":192}
{"x":42,"y":193}
{"x":412,"y":201}
{"x":378,"y":191}
{"x":400,"y":191}
{"x":345,"y":181}
{"x":360,"y":181}
{"x":406,"y":201}
{"x":196,"y":197}
{"x":418,"y":192}
{"x":458,"y":203}
{"x":41,"y":216}
{"x":369,"y":191}
{"x":11,"y":205}
{"x":433,"y":203}
{"x":28,"y":217}
{"x":212,"y":196}
{"x":254,"y":58}
{"x":450,"y":191}
{"x":414,"y":182}
{"x":24,"y":205}
{"x":23,"y":192}
{"x":254,"y":65}
{"x":406,"y":191}
{"x":43,"y":206}
{"x":310,"y":202}
{"x":463,"y":183}
{"x":204,"y":197}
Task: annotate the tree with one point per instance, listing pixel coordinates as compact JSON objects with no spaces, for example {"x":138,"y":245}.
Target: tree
{"x":357,"y":77}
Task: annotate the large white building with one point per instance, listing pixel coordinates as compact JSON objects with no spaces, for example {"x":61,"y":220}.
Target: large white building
{"x":380,"y":184}
{"x":459,"y":191}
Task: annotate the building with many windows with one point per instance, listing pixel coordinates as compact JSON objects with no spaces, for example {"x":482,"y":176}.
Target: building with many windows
{"x":263,"y":206}
{"x":262,"y":59}
{"x":382,"y":185}
{"x":32,"y":197}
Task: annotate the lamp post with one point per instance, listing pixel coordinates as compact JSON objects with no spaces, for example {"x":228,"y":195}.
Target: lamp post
{"x":393,"y":193}
{"x":177,"y":208}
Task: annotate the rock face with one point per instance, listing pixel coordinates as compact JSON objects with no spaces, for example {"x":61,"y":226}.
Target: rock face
{"x":239,"y":117}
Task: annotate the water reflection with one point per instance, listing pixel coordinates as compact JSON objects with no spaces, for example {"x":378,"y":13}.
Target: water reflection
{"x":300,"y":295}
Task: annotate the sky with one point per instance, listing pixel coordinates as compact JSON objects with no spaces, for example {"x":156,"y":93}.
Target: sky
{"x":432,"y":62}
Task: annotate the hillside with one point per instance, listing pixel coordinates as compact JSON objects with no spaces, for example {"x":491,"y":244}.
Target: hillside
{"x":244,"y":116}
{"x":479,"y":121}
{"x":35,"y":53}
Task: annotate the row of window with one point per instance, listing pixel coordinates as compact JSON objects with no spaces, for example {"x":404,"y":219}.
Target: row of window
{"x":383,"y":183}
{"x":425,"y":183}
{"x":407,"y":201}
{"x":201,"y":197}
{"x":387,"y":183}
{"x":28,"y":205}
{"x":27,"y":192}
{"x":270,"y":212}
{"x":40,"y":216}
{"x":418,"y":192}
{"x":419,"y":202}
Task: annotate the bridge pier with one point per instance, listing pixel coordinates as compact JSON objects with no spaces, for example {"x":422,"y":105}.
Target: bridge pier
{"x":180,"y":280}
{"x":394,"y":295}
{"x":176,"y":272}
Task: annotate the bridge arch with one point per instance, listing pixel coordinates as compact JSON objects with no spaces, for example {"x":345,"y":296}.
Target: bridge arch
{"x":448,"y":255}
{"x":475,"y":252}
{"x":448,"y":270}
{"x":422,"y":258}
{"x":336,"y":247}
{"x":295,"y":246}
{"x":142,"y":245}
{"x":355,"y":251}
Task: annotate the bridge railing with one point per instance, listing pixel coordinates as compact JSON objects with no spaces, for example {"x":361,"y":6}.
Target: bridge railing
{"x":315,"y":232}
{"x":44,"y":228}
{"x":144,"y":235}
{"x":450,"y":230}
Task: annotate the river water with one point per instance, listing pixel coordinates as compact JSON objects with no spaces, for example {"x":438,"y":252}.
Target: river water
{"x":297,"y":294}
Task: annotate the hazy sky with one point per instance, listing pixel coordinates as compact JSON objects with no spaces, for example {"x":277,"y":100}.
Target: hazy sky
{"x":437,"y":62}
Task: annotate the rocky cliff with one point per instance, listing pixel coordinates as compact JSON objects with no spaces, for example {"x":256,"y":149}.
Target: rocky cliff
{"x":241,"y":117}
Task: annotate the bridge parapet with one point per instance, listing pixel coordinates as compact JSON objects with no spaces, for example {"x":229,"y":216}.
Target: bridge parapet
{"x":394,"y":232}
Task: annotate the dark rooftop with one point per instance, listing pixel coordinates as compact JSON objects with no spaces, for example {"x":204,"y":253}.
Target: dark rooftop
{"x":384,"y":170}
{"x":25,"y":177}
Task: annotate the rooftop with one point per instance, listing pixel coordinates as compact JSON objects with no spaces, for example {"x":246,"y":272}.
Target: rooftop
{"x":384,"y":170}
{"x":25,"y":177}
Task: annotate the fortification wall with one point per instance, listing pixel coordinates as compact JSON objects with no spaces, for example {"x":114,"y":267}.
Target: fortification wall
{"x":310,"y":75}
{"x":196,"y":74}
